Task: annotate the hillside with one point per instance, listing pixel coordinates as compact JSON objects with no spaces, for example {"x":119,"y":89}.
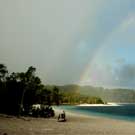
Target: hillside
{"x":108,"y":95}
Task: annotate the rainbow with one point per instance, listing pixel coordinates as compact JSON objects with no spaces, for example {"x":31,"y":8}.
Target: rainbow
{"x":85,"y":78}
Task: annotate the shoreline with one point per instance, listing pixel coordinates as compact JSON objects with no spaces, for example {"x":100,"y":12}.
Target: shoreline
{"x":94,"y":114}
{"x":71,"y":113}
{"x":108,"y":104}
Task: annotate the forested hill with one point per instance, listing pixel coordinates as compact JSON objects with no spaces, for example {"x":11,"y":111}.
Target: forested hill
{"x":108,"y":95}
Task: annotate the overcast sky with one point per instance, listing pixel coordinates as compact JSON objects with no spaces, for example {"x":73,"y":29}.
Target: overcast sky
{"x":88,"y":42}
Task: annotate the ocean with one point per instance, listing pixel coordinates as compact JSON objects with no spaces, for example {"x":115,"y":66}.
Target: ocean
{"x":122,"y":111}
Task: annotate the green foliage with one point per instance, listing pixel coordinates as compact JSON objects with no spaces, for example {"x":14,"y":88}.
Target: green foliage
{"x":107,"y":95}
{"x":18,"y":90}
{"x":56,"y":96}
{"x":76,"y":98}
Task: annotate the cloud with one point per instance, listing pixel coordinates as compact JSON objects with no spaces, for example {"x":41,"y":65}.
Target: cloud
{"x":58,"y":37}
{"x":126,"y":74}
{"x":121,"y":61}
{"x":45,"y":34}
{"x":109,"y":77}
{"x":129,"y":22}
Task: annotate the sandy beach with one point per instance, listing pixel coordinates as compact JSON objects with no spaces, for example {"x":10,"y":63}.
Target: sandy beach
{"x":75,"y":125}
{"x":108,"y":104}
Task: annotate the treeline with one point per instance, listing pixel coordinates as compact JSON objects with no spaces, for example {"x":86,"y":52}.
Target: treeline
{"x":19,"y":91}
{"x":71,"y":95}
{"x":76,"y":98}
{"x":120,"y":95}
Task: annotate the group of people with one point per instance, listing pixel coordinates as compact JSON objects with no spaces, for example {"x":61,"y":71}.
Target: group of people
{"x":43,"y":112}
{"x":38,"y":110}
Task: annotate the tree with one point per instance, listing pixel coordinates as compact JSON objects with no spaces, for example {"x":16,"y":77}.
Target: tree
{"x":56,"y":96}
{"x":31,"y":84}
{"x":13,"y":93}
{"x":3,"y":72}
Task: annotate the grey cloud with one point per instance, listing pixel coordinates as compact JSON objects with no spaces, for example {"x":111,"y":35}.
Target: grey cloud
{"x":121,"y":61}
{"x":108,"y":76}
{"x":126,"y":74}
{"x":43,"y":33}
{"x":46,"y":34}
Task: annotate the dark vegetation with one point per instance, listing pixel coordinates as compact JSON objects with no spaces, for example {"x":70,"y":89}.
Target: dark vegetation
{"x":20,"y":91}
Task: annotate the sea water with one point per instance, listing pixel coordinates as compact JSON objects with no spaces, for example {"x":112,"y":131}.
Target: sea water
{"x":122,"y":111}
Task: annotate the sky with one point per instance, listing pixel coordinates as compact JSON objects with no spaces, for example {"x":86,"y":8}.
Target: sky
{"x":86,"y":42}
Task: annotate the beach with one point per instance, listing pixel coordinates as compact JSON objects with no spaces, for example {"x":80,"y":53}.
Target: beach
{"x":108,"y":104}
{"x":76,"y":124}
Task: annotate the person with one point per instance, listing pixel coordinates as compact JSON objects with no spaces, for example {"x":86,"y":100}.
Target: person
{"x":62,"y":116}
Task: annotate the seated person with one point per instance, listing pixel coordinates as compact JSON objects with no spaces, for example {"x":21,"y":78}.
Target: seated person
{"x":62,"y":116}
